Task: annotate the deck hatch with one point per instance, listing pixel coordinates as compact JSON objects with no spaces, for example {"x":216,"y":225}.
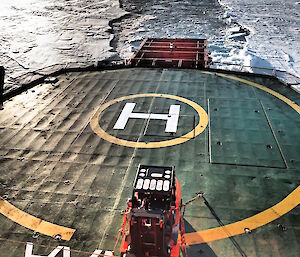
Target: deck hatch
{"x":240,"y":134}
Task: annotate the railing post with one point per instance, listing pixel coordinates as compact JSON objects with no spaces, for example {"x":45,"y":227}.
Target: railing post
{"x":2,"y":74}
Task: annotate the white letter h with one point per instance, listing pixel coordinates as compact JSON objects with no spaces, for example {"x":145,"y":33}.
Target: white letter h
{"x":171,"y":118}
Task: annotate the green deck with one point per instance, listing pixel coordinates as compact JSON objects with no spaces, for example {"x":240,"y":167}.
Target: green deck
{"x":246,"y":160}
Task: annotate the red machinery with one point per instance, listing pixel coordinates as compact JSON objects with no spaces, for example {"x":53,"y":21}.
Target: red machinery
{"x":152,"y":221}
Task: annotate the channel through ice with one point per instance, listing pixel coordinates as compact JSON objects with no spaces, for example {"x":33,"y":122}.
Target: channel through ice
{"x":256,"y":36}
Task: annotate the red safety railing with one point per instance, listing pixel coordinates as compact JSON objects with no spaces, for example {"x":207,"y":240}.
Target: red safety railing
{"x":166,"y":53}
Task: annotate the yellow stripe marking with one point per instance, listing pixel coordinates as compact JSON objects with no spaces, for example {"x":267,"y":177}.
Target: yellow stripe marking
{"x":28,"y":221}
{"x":262,"y":218}
{"x":256,"y":221}
{"x":179,"y":140}
{"x":268,"y":90}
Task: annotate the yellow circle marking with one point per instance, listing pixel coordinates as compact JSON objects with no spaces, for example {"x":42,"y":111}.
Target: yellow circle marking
{"x":38,"y":225}
{"x":179,"y":140}
{"x":268,"y":90}
{"x":238,"y":228}
{"x":262,"y":218}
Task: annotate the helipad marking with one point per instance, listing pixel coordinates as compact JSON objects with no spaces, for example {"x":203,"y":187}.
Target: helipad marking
{"x":127,"y":113}
{"x":179,"y":140}
{"x":38,"y":225}
{"x":256,"y":221}
{"x":262,"y":218}
{"x":237,"y":228}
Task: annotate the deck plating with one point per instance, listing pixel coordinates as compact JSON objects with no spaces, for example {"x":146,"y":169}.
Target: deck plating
{"x":44,"y":146}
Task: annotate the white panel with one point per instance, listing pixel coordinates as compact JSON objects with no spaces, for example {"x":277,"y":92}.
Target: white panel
{"x":137,"y":115}
{"x":173,"y":118}
{"x":127,"y":113}
{"x":139,"y":183}
{"x":152,"y":184}
{"x":66,"y":252}
{"x":108,"y":253}
{"x":156,"y":175}
{"x":159,"y":185}
{"x":154,"y":116}
{"x":124,"y":116}
{"x":54,"y":253}
{"x":146,"y":184}
{"x":174,"y":109}
{"x":166,"y":185}
{"x":97,"y":253}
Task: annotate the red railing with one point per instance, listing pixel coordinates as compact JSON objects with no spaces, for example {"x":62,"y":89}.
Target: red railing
{"x":164,"y":52}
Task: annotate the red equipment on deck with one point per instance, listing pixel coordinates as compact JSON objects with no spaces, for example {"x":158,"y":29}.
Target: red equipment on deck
{"x":153,"y":224}
{"x":175,"y":53}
